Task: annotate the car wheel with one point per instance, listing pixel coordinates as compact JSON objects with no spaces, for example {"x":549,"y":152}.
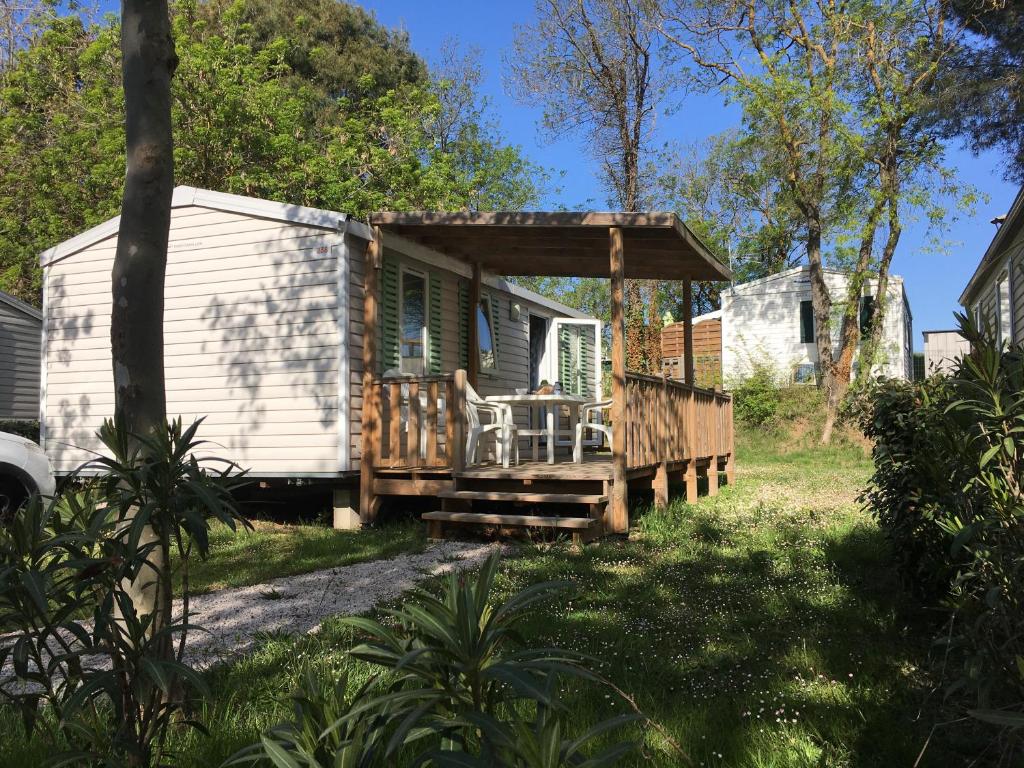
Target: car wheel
{"x":12,"y":495}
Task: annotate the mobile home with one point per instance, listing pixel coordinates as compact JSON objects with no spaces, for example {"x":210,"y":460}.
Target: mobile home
{"x":770,"y":321}
{"x":263,"y":332}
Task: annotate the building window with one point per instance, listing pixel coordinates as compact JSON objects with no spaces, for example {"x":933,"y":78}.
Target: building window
{"x":867,"y":312}
{"x":804,"y":374}
{"x":413,"y":322}
{"x":1003,"y":292}
{"x":485,"y":333}
{"x":806,"y":322}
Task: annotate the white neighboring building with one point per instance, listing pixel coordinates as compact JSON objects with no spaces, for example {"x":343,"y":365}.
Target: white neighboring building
{"x":941,"y":350}
{"x":770,"y":321}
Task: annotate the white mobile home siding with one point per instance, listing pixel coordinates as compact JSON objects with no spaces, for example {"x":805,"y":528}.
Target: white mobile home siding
{"x":761,"y":325}
{"x":981,"y":297}
{"x":942,"y":349}
{"x":20,"y":331}
{"x":251,"y":341}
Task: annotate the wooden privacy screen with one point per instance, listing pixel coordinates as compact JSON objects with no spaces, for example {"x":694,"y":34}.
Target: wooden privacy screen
{"x":707,"y":352}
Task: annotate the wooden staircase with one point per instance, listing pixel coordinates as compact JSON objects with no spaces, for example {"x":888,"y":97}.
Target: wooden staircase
{"x":576,"y":507}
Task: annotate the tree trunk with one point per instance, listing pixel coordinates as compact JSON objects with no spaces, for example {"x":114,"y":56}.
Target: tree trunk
{"x":136,"y":320}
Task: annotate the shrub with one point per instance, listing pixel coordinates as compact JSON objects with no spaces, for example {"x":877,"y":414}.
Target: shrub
{"x":457,"y":687}
{"x":756,"y":397}
{"x":949,"y":461}
{"x":87,"y":668}
{"x":917,"y":473}
{"x":24,"y":428}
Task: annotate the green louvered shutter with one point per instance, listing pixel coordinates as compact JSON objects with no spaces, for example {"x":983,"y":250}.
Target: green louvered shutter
{"x":434,"y":323}
{"x":463,"y":325}
{"x":388,"y":320}
{"x":565,"y":374}
{"x":587,"y":361}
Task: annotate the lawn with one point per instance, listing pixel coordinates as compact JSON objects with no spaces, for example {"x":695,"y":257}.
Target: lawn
{"x":271,"y":550}
{"x":763,"y":627}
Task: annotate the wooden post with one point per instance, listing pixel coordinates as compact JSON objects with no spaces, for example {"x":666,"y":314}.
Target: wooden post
{"x":716,"y":425}
{"x":620,"y":488}
{"x":688,"y":331}
{"x":730,"y":462}
{"x":660,"y":483}
{"x":371,"y":418}
{"x":457,"y":415}
{"x":691,"y":447}
{"x":473,"y":354}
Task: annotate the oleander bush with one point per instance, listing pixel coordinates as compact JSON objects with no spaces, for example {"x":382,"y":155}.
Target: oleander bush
{"x":947,"y":490}
{"x":94,"y":673}
{"x":455,"y":686}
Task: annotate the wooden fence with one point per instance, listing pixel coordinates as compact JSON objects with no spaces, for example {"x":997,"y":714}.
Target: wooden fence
{"x":668,"y":421}
{"x":421,"y":422}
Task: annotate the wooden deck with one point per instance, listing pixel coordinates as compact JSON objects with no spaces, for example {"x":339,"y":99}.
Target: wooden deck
{"x":671,"y":432}
{"x":595,"y":466}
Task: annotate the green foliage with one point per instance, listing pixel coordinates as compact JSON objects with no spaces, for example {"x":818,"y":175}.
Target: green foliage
{"x":917,"y":472}
{"x":318,"y":106}
{"x":29,"y":429}
{"x":458,"y":687}
{"x":947,"y":488}
{"x":756,"y":397}
{"x":89,"y":669}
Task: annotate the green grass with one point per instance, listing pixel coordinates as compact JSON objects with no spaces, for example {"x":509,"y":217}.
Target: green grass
{"x":272,"y":550}
{"x":760,"y":628}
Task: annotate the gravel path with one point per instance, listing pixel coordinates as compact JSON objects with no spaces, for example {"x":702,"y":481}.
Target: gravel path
{"x":233,"y":619}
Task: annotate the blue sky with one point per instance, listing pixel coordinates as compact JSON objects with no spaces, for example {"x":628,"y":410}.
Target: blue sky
{"x":933,"y":280}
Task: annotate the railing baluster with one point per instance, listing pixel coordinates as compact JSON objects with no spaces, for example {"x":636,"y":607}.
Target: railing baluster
{"x":395,"y":425}
{"x":431,"y":424}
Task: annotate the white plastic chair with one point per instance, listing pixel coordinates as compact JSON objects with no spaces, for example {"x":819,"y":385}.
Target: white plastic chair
{"x":506,"y":437}
{"x":587,"y":422}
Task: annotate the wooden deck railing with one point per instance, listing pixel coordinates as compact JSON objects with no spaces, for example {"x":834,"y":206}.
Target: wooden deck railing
{"x":416,"y":426}
{"x":668,"y":421}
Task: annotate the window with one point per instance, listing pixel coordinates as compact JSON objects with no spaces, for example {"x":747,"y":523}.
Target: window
{"x":867,"y":312}
{"x":804,"y":374}
{"x":485,"y":334}
{"x":413,"y":322}
{"x":1003,"y":292}
{"x":806,"y":322}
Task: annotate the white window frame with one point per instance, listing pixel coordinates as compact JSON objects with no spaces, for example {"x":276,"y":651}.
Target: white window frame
{"x":489,"y":316}
{"x":552,"y":356}
{"x":1004,"y":310}
{"x":402,"y":272}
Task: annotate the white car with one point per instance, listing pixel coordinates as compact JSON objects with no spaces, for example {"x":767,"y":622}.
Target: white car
{"x":24,"y":470}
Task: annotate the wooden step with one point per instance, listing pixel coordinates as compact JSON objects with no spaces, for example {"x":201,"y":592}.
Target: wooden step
{"x":525,"y":521}
{"x":541,"y":498}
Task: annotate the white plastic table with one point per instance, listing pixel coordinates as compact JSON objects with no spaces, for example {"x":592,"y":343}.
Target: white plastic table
{"x":550,"y":430}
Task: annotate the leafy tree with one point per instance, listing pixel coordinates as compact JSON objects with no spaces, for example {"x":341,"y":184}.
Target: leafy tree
{"x":592,"y":65}
{"x":254,"y":113}
{"x":731,"y":192}
{"x":982,"y":96}
{"x":838,"y":95}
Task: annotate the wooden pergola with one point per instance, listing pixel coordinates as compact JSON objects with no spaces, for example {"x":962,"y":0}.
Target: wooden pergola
{"x":652,"y":245}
